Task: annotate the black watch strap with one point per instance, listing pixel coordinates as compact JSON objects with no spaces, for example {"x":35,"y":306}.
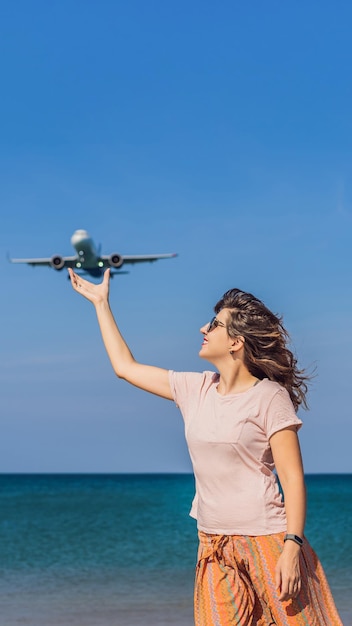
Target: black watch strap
{"x":294,"y":538}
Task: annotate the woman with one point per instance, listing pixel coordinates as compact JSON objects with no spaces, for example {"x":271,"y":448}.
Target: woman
{"x":254,"y":565}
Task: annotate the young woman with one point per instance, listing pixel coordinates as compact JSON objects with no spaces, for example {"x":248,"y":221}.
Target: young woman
{"x":255,"y":567}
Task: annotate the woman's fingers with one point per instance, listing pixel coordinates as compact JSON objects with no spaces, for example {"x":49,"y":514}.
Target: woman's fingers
{"x":91,"y":291}
{"x":75,"y":279}
{"x":290,"y":590}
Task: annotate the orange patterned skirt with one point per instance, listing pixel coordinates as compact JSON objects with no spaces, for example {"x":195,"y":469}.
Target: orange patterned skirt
{"x":235,"y":585}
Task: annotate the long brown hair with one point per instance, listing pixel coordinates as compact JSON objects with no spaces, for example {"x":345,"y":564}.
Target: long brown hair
{"x":265,"y":343}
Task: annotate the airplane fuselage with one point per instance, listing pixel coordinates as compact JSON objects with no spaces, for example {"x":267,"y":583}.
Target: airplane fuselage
{"x":87,"y":253}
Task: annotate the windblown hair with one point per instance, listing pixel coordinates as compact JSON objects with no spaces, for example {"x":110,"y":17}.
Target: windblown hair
{"x":265,"y":343}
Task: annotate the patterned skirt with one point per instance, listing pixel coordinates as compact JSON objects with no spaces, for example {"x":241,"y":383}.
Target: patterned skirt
{"x":235,"y":585}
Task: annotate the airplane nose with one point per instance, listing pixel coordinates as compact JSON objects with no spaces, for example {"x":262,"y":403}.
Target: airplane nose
{"x":78,"y":235}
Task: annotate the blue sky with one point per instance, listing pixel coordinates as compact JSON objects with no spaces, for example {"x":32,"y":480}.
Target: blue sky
{"x":220,"y":131}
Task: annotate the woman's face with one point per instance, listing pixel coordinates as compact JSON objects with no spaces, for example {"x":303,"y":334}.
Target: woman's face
{"x":216,"y":341}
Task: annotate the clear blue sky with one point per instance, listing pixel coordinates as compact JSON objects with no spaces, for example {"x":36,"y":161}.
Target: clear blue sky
{"x":221,"y":131}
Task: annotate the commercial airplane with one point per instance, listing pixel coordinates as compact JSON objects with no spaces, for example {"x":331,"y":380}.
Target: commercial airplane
{"x":88,"y":259}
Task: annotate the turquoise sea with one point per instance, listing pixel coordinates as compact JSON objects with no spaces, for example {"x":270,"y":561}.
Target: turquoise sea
{"x":120,"y":550}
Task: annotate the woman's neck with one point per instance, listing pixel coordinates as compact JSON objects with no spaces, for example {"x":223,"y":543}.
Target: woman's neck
{"x":236,"y":380}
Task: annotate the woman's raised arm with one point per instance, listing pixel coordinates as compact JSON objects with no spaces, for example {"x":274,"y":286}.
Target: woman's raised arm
{"x":147,"y":377}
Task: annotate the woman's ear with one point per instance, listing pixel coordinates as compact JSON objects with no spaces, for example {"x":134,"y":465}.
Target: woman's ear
{"x":236,"y":344}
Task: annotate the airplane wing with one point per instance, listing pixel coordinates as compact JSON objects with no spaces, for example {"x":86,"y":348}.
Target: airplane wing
{"x":138,"y":258}
{"x":93,"y":265}
{"x":65,"y":261}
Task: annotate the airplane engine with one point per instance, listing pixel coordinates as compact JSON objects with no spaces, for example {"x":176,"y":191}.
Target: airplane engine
{"x":57,"y":262}
{"x":115,"y":260}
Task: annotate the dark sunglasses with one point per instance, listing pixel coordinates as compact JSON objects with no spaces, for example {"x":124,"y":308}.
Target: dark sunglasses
{"x":214,"y":323}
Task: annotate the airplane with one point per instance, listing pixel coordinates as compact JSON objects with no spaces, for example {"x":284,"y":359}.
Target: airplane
{"x":88,"y":259}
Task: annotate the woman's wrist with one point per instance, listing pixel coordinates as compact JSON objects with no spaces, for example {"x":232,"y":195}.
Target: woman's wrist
{"x":295,"y":538}
{"x":102,"y":304}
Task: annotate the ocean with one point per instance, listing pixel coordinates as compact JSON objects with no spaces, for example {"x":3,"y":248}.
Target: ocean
{"x":120,"y":550}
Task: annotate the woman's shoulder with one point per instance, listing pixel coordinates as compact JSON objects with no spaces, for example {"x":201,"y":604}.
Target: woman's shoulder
{"x":194,"y":380}
{"x":206,"y":376}
{"x":270,"y":388}
{"x":270,"y":385}
{"x":278,"y":411}
{"x":187,"y":384}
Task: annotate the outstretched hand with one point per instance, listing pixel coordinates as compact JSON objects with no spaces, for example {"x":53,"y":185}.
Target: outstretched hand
{"x":95,"y":293}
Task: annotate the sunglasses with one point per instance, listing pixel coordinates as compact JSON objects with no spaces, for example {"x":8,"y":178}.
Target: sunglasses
{"x":214,"y":323}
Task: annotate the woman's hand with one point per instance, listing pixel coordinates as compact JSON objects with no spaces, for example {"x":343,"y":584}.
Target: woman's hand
{"x":95,"y":293}
{"x":288,"y":574}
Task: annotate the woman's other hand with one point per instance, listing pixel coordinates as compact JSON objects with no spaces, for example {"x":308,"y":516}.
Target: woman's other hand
{"x":288,"y":574}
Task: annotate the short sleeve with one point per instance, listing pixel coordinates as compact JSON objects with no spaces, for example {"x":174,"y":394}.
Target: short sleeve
{"x":280,"y":413}
{"x":174,"y":386}
{"x":188,"y":388}
{"x":183,"y":385}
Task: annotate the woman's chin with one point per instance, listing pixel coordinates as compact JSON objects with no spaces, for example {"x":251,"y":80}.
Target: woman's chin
{"x":203,"y":354}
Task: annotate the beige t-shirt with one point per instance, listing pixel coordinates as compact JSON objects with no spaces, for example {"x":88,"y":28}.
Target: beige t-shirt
{"x":228,"y":439}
